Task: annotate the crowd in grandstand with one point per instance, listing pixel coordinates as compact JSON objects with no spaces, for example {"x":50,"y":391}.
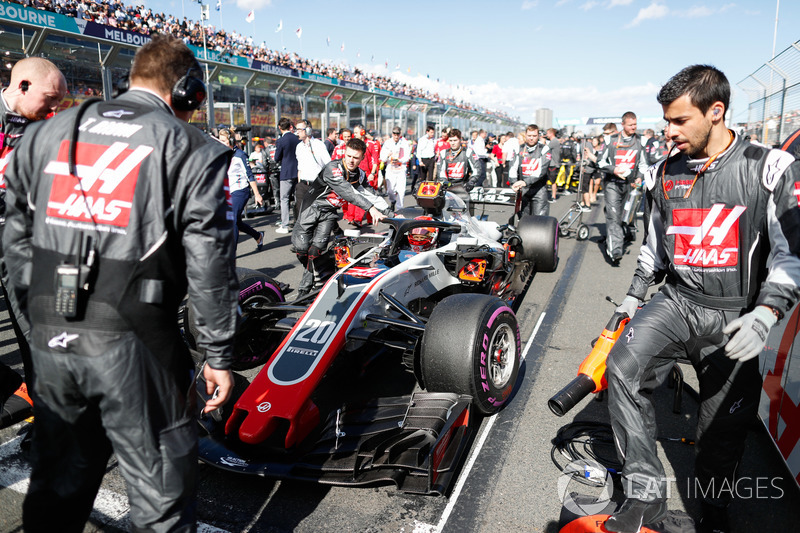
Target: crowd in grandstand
{"x":143,"y":20}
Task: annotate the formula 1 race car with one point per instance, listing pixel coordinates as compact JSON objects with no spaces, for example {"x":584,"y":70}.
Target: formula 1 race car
{"x":379,"y":375}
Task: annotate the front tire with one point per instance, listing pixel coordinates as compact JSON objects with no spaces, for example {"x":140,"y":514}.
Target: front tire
{"x":471,"y":346}
{"x":253,"y":345}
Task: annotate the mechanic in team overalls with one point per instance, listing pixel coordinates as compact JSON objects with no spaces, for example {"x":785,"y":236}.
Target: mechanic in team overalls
{"x":528,"y":172}
{"x":455,"y":169}
{"x":725,"y":228}
{"x":115,"y":209}
{"x":340,"y":181}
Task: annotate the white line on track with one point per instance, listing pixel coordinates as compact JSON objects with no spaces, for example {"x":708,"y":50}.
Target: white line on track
{"x":110,"y":508}
{"x":420,"y":528}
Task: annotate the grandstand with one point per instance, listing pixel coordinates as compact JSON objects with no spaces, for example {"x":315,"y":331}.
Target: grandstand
{"x":93,"y":43}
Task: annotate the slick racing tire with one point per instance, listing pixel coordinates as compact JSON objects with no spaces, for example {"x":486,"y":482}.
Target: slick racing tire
{"x":539,"y":241}
{"x":471,"y":346}
{"x":254,"y":344}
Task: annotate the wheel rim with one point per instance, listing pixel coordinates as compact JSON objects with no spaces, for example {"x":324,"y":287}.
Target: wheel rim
{"x":503,"y":350}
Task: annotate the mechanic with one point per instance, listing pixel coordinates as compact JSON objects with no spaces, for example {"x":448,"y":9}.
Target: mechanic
{"x":101,"y":286}
{"x":371,"y":162}
{"x":455,"y":169}
{"x":555,"y":161}
{"x":240,"y":182}
{"x":395,"y":154}
{"x":528,"y":172}
{"x":34,"y":91}
{"x":720,"y":208}
{"x":625,"y":162}
{"x":338,"y":152}
{"x":340,"y":181}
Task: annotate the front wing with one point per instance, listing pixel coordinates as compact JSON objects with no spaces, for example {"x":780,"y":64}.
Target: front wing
{"x":415,"y":442}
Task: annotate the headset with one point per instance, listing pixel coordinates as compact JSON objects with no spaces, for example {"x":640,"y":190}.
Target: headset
{"x":308,"y":129}
{"x":189,"y":92}
{"x":24,"y":85}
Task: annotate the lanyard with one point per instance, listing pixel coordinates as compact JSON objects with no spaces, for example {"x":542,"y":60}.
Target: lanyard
{"x":699,"y":172}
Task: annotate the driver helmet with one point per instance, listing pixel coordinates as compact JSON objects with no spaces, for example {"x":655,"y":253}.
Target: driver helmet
{"x":422,"y":239}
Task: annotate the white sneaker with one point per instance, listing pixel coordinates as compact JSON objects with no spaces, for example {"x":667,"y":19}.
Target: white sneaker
{"x":282,"y":229}
{"x":586,"y":209}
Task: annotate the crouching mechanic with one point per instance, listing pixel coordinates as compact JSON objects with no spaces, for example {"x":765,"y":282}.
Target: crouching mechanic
{"x":720,"y":207}
{"x":455,"y":169}
{"x":340,"y":181}
{"x":528,"y":171}
{"x":114,"y":210}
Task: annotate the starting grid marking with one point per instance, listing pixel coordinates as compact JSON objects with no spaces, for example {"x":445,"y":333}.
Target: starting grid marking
{"x":110,"y":508}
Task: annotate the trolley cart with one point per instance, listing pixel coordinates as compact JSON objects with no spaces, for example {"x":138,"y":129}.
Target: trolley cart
{"x":572,"y":223}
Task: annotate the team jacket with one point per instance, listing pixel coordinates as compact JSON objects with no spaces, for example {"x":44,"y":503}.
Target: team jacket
{"x":338,"y":151}
{"x":625,"y":152}
{"x":531,"y":163}
{"x":11,"y":128}
{"x":714,"y":244}
{"x":156,"y":188}
{"x":455,"y":168}
{"x":336,"y":185}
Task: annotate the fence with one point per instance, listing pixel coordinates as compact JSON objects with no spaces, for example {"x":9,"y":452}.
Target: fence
{"x":774,"y":93}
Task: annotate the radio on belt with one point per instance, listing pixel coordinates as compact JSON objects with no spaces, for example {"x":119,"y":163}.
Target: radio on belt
{"x":73,"y":282}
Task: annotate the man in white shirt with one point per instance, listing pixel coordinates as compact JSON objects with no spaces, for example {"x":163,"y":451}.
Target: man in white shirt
{"x":312,"y":156}
{"x":479,"y":149}
{"x":426,"y":153}
{"x":395,"y":154}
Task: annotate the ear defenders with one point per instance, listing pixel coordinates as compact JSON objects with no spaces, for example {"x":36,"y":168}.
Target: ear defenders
{"x":189,"y":92}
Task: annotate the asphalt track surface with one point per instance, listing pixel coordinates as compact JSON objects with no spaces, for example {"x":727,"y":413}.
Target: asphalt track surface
{"x":508,"y":482}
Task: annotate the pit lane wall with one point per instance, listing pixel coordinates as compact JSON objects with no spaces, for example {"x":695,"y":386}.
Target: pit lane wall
{"x":779,"y":408}
{"x":244,"y":91}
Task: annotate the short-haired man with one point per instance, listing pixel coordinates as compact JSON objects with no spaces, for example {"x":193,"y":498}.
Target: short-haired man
{"x":112,"y":373}
{"x":481,"y":156}
{"x":426,"y":152}
{"x":338,"y":152}
{"x":35,"y":89}
{"x":330,"y":141}
{"x":340,"y":181}
{"x":555,"y":161}
{"x":395,"y":154}
{"x":720,"y":207}
{"x":286,"y":156}
{"x":528,"y":172}
{"x":625,"y":163}
{"x":370,"y":163}
{"x":454,"y":168}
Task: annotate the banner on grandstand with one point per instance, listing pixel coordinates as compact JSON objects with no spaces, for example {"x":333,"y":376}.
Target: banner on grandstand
{"x":94,"y":29}
{"x":17,"y":13}
{"x":263,"y":66}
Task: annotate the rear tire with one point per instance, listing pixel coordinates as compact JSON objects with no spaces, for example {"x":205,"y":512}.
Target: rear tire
{"x":253,"y":345}
{"x":471,"y":346}
{"x":539,"y":241}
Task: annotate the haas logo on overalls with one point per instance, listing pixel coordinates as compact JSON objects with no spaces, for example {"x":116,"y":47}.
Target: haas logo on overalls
{"x":706,"y":237}
{"x":530,"y":166}
{"x":625,"y":158}
{"x":108,"y":176}
{"x":455,"y":170}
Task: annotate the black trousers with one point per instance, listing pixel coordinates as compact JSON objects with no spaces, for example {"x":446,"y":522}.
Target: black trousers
{"x":616,"y":193}
{"x":667,"y":328}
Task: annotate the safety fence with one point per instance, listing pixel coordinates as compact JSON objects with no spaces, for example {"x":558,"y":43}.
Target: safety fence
{"x":774,"y":95}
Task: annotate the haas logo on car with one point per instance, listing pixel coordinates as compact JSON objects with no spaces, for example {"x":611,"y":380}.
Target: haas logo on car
{"x":107,"y":175}
{"x":706,"y":237}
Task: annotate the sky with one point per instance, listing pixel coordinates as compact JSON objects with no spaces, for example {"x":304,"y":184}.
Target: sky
{"x":580,"y":58}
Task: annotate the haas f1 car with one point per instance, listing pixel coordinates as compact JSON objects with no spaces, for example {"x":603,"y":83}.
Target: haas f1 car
{"x":430,"y":304}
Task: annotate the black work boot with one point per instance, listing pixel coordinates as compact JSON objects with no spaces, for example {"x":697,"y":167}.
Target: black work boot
{"x":633,"y":514}
{"x":715,"y":519}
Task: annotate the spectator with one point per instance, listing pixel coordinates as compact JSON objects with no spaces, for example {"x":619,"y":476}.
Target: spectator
{"x":481,"y":156}
{"x":426,"y":154}
{"x":395,"y":154}
{"x":330,"y":141}
{"x":555,"y":162}
{"x":285,"y":152}
{"x":240,"y":182}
